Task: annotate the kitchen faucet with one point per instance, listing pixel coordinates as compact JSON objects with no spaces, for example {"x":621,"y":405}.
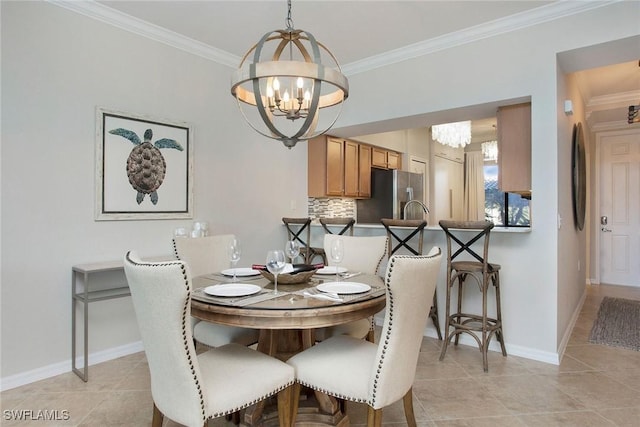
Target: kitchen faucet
{"x":424,"y":207}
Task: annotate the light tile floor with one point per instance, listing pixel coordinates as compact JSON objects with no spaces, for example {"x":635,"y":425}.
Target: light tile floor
{"x":593,"y":386}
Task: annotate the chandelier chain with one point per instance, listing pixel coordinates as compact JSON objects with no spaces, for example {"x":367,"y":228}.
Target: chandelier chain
{"x":289,"y":20}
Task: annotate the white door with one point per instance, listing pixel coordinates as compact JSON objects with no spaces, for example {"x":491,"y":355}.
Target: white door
{"x":619,"y":221}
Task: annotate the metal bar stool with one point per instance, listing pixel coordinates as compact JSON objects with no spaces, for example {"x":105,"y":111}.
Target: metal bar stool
{"x":299,"y":229}
{"x":404,"y":242}
{"x":480,"y":327}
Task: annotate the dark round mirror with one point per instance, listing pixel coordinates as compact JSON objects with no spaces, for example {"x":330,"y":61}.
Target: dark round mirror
{"x":579,"y":176}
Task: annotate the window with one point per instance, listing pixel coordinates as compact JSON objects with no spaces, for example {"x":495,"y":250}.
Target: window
{"x":503,"y":209}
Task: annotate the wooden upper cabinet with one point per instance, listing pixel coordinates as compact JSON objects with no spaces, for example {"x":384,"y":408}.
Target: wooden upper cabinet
{"x":514,"y":149}
{"x":393,"y":160}
{"x":385,"y":159}
{"x":378,"y":158}
{"x":351,"y":175}
{"x":364,"y":171}
{"x":334,"y":168}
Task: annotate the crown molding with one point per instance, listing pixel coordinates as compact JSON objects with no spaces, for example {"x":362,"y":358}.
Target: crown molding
{"x":126,"y":22}
{"x":507,"y":24}
{"x":611,"y":125}
{"x":493,"y":28}
{"x":621,"y":99}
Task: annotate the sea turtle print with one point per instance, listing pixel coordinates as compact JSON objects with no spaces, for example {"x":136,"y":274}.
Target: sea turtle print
{"x":146,"y":166}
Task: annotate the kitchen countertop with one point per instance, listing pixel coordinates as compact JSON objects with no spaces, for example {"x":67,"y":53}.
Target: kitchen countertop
{"x":437,"y":228}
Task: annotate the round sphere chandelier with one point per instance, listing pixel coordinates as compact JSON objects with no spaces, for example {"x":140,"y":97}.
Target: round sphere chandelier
{"x":284,"y":81}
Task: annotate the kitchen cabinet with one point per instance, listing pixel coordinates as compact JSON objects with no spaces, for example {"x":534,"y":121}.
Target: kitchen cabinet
{"x":364,"y":171}
{"x":334,"y":160}
{"x":393,"y":160}
{"x":448,"y":152}
{"x":351,"y":172}
{"x":447,"y":184}
{"x":338,"y":167}
{"x":385,"y":159}
{"x":514,"y":149}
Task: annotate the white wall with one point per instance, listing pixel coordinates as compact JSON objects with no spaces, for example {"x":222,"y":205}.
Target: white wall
{"x":57,"y":66}
{"x":572,"y":243}
{"x":518,"y":64}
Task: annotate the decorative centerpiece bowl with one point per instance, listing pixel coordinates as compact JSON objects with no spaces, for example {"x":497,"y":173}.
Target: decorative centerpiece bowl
{"x":288,"y":278}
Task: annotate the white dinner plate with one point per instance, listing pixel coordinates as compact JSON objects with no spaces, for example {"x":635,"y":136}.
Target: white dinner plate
{"x":240,"y":272}
{"x":343,"y":287}
{"x":232,"y":290}
{"x":331,"y":269}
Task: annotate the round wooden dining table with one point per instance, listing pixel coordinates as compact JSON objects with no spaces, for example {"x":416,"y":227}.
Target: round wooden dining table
{"x":287,"y":322}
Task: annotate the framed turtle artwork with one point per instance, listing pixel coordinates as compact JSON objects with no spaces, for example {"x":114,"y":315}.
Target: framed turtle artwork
{"x":143,"y":167}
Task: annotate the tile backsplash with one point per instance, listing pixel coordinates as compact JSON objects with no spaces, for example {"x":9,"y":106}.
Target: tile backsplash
{"x":331,"y":207}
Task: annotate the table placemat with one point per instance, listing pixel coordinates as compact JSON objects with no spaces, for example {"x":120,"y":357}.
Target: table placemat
{"x":242,"y":301}
{"x":219,"y":277}
{"x":374,"y":292}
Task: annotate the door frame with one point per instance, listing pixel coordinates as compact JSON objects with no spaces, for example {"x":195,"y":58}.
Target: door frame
{"x":595,"y":226}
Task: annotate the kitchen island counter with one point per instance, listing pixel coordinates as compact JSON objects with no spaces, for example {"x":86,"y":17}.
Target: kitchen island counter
{"x":378,"y":226}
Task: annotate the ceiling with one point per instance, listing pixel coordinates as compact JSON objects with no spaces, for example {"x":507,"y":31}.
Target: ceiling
{"x":378,"y":32}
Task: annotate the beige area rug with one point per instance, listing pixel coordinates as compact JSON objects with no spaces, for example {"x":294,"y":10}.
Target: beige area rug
{"x":617,"y":324}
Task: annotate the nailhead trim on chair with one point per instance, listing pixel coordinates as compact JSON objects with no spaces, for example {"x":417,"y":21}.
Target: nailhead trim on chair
{"x":175,"y":248}
{"x":386,"y":247}
{"x":390,"y":314}
{"x":336,"y":395}
{"x":253,"y":402}
{"x":372,"y":321}
{"x":185,"y":341}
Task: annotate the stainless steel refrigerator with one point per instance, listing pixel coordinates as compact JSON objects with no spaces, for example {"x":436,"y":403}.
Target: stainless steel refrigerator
{"x":390,"y":191}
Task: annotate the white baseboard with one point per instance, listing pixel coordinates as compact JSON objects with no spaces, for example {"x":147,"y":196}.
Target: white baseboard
{"x":514,"y":350}
{"x":17,"y":380}
{"x":567,"y":333}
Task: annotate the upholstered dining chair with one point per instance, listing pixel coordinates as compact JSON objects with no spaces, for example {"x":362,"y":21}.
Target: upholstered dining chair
{"x":378,"y":375}
{"x":362,"y":254}
{"x":411,"y":242}
{"x":191,"y":388}
{"x":208,"y":255}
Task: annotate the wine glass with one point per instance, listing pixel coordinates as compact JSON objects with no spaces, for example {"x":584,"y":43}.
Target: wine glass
{"x":234,"y":256}
{"x":337,"y":252}
{"x":275,"y":265}
{"x":202,"y":228}
{"x":292,"y":249}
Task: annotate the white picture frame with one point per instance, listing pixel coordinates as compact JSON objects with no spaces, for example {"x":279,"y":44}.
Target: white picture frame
{"x":154,"y":183}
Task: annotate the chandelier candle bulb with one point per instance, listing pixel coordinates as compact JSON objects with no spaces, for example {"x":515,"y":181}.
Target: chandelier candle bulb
{"x":300,"y":84}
